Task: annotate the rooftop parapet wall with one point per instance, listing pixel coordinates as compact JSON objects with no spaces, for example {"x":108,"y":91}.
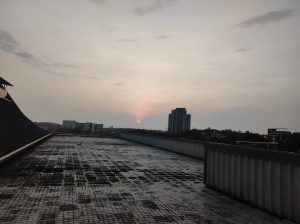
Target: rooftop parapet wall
{"x":265,"y":179}
{"x":269,"y":180}
{"x":182,"y":146}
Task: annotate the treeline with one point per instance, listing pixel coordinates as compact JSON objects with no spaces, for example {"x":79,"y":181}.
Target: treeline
{"x":222,"y":136}
{"x":293,"y":143}
{"x":211,"y":135}
{"x":228,"y":136}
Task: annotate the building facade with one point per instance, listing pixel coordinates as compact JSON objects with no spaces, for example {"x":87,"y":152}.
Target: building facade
{"x":279,"y":135}
{"x":179,"y":121}
{"x":82,"y":127}
{"x":98,"y":127}
{"x":68,"y":124}
{"x":85,"y":127}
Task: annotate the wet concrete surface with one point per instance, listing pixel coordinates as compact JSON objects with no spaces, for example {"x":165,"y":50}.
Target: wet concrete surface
{"x":102,"y":180}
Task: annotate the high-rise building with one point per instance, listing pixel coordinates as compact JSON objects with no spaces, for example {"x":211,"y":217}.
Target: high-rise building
{"x":179,"y":121}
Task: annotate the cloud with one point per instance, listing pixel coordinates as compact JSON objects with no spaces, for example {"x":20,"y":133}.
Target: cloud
{"x":163,"y":37}
{"x":241,"y":50}
{"x":273,"y":16}
{"x":63,"y":74}
{"x":72,"y":75}
{"x":157,"y":5}
{"x":63,"y":65}
{"x":9,"y":45}
{"x":98,"y":1}
{"x":8,"y":40}
{"x":118,"y":83}
{"x":127,"y":40}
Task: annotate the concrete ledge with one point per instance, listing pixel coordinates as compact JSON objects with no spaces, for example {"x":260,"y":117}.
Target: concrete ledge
{"x":23,"y":148}
{"x":283,"y":156}
{"x":195,"y":149}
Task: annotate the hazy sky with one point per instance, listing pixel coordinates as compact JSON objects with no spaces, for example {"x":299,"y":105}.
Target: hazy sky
{"x":233,"y":64}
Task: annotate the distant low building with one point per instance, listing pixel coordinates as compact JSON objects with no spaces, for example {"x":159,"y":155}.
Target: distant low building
{"x":69,"y":124}
{"x":279,"y":135}
{"x":89,"y":127}
{"x":179,"y":121}
{"x":82,"y":126}
{"x":98,"y":127}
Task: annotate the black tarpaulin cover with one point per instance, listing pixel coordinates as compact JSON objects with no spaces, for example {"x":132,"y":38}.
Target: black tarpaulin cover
{"x":16,"y":130}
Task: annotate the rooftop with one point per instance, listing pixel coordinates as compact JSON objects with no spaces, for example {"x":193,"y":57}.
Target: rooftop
{"x":70,"y":179}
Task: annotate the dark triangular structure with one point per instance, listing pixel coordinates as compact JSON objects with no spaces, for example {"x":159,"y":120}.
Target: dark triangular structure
{"x":16,"y":130}
{"x":4,"y":82}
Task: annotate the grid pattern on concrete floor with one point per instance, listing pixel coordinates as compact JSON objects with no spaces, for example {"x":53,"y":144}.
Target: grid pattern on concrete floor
{"x":102,"y":180}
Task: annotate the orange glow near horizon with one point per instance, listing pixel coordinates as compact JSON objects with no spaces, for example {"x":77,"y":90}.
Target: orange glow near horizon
{"x":145,"y":101}
{"x":139,"y":114}
{"x":138,"y":117}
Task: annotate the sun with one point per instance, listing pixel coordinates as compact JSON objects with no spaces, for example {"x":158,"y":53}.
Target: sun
{"x":138,"y":121}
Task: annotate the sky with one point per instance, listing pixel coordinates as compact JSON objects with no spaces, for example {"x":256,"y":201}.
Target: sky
{"x":233,"y":64}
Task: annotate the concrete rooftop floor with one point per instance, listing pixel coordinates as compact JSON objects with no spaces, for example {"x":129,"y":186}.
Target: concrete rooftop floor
{"x":102,"y":180}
